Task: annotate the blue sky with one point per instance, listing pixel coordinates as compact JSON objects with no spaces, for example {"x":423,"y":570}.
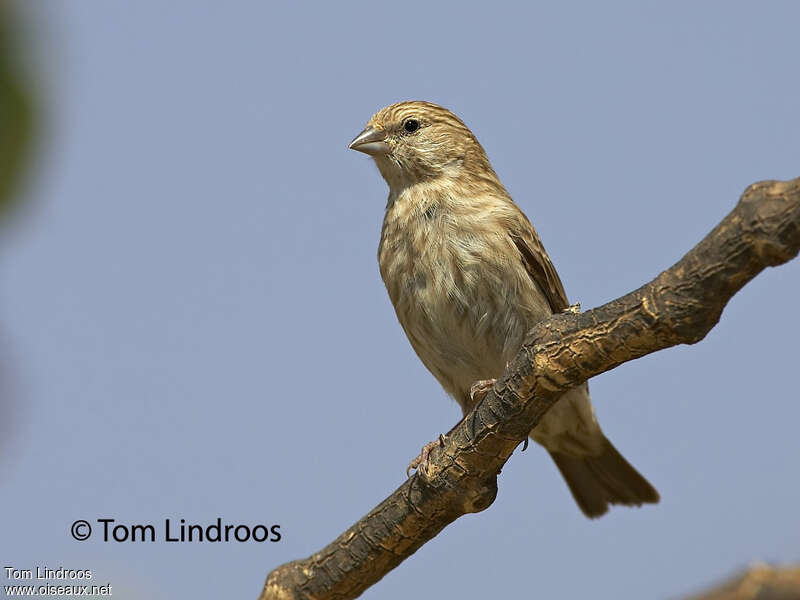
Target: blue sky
{"x":193,"y":325}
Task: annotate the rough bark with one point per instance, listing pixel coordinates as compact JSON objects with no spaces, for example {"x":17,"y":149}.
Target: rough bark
{"x":680,"y":306}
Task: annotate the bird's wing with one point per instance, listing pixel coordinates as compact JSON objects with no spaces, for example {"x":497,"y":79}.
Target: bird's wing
{"x":537,"y":263}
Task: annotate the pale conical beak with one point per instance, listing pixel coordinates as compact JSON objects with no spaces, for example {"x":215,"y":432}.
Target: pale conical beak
{"x":371,"y":141}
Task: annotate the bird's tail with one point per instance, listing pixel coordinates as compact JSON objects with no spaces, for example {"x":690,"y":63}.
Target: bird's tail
{"x":607,"y":478}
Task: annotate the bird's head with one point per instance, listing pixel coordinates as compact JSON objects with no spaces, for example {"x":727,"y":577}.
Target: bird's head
{"x":414,"y":142}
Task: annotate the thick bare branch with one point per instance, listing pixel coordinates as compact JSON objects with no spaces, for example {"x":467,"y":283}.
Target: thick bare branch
{"x":680,"y":306}
{"x":759,"y":582}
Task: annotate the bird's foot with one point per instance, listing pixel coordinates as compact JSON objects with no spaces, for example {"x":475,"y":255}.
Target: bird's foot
{"x":424,"y":456}
{"x":573,"y":309}
{"x":479,"y":390}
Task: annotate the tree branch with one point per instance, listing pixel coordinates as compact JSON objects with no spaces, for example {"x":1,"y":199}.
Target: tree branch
{"x":680,"y":306}
{"x":759,"y":582}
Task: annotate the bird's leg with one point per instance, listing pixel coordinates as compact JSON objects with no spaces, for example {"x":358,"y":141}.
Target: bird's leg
{"x":482,"y":387}
{"x":477,"y":393}
{"x":425,"y":454}
{"x":479,"y":390}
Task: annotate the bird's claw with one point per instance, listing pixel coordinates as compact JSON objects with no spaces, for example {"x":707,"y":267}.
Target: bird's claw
{"x":573,"y":309}
{"x":480,"y":389}
{"x":424,"y":456}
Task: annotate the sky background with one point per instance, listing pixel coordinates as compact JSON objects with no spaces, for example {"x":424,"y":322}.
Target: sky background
{"x":193,"y":325}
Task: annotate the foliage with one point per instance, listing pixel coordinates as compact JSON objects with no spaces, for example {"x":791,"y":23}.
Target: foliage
{"x":16,"y":114}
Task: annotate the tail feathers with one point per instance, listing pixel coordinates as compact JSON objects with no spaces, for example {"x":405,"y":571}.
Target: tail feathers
{"x":597,"y":481}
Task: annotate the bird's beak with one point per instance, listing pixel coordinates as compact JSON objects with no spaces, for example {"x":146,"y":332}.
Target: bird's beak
{"x":371,"y":141}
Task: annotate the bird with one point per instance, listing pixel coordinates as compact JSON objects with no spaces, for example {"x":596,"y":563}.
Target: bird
{"x":468,"y":277}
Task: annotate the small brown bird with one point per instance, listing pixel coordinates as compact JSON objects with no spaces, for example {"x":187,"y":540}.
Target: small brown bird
{"x":469,"y":277}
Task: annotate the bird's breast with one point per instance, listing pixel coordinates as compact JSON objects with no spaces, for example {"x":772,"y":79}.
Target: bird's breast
{"x":458,"y":287}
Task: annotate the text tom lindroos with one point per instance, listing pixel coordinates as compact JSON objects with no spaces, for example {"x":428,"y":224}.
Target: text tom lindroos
{"x":189,"y":532}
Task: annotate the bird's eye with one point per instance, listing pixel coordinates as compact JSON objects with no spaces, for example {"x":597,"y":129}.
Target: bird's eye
{"x":411,"y":125}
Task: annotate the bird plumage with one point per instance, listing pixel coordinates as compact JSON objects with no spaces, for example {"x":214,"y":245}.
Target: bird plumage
{"x":468,"y":277}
